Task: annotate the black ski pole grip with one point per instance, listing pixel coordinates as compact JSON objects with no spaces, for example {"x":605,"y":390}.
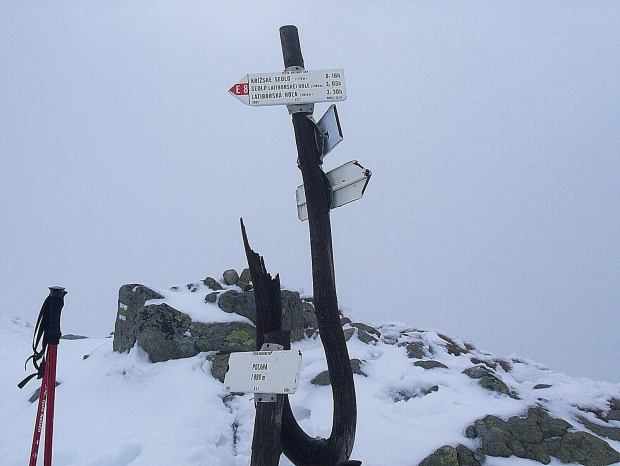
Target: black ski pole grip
{"x":291,"y":49}
{"x":56,"y":302}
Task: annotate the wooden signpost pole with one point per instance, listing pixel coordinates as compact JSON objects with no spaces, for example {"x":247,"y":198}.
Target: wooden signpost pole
{"x":299,"y":89}
{"x":298,"y":446}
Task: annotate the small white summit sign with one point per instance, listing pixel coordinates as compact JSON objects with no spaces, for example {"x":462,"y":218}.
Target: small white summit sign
{"x":291,"y":87}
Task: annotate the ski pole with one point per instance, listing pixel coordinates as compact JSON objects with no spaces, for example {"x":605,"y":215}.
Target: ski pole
{"x":47,"y":332}
{"x":38,"y":425}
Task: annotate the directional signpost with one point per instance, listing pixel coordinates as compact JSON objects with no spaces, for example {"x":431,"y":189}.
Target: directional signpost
{"x":290,"y":87}
{"x":268,"y":374}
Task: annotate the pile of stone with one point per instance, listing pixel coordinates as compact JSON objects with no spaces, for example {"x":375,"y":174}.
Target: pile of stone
{"x":168,"y":333}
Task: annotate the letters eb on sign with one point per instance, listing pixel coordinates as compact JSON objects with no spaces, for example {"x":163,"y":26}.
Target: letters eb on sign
{"x":263,"y":372}
{"x":240,"y":89}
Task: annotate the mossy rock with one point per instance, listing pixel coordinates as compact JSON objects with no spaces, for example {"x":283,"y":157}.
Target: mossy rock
{"x":583,"y":448}
{"x":415,"y":349}
{"x":219,"y":365}
{"x":444,"y":456}
{"x":430,"y":364}
{"x":323,"y":378}
{"x":494,"y":384}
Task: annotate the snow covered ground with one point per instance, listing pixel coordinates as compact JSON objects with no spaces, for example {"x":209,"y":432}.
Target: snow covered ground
{"x":121,"y":409}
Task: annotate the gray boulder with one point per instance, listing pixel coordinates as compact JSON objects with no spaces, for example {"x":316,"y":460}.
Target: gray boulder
{"x":131,"y":298}
{"x":323,"y":378}
{"x":166,"y":333}
{"x":212,"y":283}
{"x":583,"y":448}
{"x":366,"y":333}
{"x":294,"y":316}
{"x":538,"y":436}
{"x":488,"y":380}
{"x":430,"y":364}
{"x":230,"y":276}
{"x":245,"y":280}
{"x":415,"y":349}
{"x":450,"y":456}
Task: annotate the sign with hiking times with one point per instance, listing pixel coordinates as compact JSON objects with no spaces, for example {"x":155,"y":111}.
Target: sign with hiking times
{"x":290,"y":87}
{"x":263,"y":372}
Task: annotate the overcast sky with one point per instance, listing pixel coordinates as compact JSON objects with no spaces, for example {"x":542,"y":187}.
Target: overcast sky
{"x":492,"y":130}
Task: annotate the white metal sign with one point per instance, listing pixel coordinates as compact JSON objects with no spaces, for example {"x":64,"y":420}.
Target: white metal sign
{"x":263,"y":372}
{"x":348,"y":183}
{"x":291,"y":87}
{"x":329,"y":133}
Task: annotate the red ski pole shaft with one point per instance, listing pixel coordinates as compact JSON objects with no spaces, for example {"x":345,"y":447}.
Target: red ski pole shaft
{"x":38,"y":426}
{"x":50,"y":374}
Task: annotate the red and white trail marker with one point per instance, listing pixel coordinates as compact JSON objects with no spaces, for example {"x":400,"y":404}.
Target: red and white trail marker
{"x":290,"y":87}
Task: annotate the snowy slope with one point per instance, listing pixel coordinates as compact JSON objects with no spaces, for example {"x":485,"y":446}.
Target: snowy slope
{"x":120,"y":409}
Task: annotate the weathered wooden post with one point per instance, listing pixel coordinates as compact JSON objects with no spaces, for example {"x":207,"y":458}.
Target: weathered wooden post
{"x":266,"y":444}
{"x":297,"y":445}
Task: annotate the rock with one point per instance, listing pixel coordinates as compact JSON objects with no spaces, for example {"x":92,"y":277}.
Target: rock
{"x":415,"y":349}
{"x":366,"y":337}
{"x":211,"y":297}
{"x":245,"y":280}
{"x":131,"y":298}
{"x":366,"y":333}
{"x":466,"y":457}
{"x":404,"y":394}
{"x":212,"y":283}
{"x":226,"y":337}
{"x":230,"y":276}
{"x":368,"y":329}
{"x":166,"y":333}
{"x":430,"y":364}
{"x":612,"y":415}
{"x":530,"y":437}
{"x":344,"y":321}
{"x":477,"y":372}
{"x":309,"y":316}
{"x":293,"y":314}
{"x":71,"y":336}
{"x":549,"y":426}
{"x":583,"y":448}
{"x":323,"y":378}
{"x":487,"y":379}
{"x":292,"y":309}
{"x":452,"y":347}
{"x":494,"y":384}
{"x":610,"y":432}
{"x":238,"y":303}
{"x":450,"y":456}
{"x":219,"y":365}
{"x":541,"y":386}
{"x":495,"y":438}
{"x":356,"y":366}
{"x":444,"y":456}
{"x":348,"y":333}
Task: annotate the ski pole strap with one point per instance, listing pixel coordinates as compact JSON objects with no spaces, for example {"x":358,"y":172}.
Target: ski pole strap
{"x":46,"y":332}
{"x":56,"y":302}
